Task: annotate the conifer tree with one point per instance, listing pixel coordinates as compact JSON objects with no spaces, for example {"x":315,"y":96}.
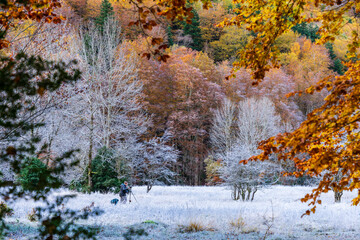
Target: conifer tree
{"x":106,"y":11}
{"x":170,"y":35}
{"x":336,"y":65}
{"x":308,"y":30}
{"x":193,"y":29}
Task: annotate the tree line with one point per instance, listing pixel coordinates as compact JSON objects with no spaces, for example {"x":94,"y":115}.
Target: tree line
{"x":125,"y":103}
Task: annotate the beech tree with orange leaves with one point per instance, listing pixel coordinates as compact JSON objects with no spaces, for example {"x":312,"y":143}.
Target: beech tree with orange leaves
{"x":326,"y":143}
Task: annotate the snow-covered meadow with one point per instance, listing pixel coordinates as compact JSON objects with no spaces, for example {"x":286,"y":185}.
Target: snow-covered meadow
{"x":212,"y":207}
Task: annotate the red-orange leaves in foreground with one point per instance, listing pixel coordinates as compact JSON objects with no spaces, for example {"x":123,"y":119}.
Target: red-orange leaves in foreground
{"x":26,"y":10}
{"x":326,"y":144}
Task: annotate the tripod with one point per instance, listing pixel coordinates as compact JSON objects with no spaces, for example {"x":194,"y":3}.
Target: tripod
{"x":131,"y":193}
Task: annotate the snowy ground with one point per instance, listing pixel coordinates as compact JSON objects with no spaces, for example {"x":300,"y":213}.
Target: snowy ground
{"x":213,"y":208}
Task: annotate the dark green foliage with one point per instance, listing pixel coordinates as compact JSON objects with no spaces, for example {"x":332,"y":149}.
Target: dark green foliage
{"x":80,"y":185}
{"x":133,"y":233}
{"x":336,"y":65}
{"x":106,"y":11}
{"x":330,"y":47}
{"x":171,"y":29}
{"x":35,"y":175}
{"x":193,"y":29}
{"x":104,"y":176}
{"x":5,"y":211}
{"x":90,"y":51}
{"x":307,"y":30}
{"x":170,"y":36}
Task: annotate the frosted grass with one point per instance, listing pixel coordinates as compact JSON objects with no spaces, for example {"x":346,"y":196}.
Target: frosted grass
{"x":213,"y":207}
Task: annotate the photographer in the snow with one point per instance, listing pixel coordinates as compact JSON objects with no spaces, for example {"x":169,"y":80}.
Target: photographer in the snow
{"x":124,"y":190}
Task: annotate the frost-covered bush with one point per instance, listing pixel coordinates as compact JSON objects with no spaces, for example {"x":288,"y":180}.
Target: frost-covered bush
{"x":246,"y":179}
{"x":155,"y":165}
{"x":5,"y":211}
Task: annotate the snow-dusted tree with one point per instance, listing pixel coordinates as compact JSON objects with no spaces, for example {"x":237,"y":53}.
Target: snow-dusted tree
{"x":155,"y":167}
{"x":256,"y":121}
{"x":245,"y":180}
{"x":59,"y":134}
{"x":115,"y":86}
{"x":105,"y":103}
{"x":223,"y":132}
{"x":223,"y":136}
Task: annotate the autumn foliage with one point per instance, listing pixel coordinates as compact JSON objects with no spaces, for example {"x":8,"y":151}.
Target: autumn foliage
{"x":328,"y":137}
{"x":180,"y":98}
{"x":243,"y":43}
{"x":15,"y":11}
{"x":326,"y":143}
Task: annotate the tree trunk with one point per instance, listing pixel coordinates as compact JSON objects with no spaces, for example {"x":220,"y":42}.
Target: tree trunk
{"x":148,"y":187}
{"x":235,"y":195}
{"x":90,"y":185}
{"x":338,"y":196}
{"x":242,"y":191}
{"x":108,"y":131}
{"x":248,"y":193}
{"x":253,"y":194}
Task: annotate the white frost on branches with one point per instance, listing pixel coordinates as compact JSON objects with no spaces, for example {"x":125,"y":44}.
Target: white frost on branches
{"x":236,"y":133}
{"x":155,"y":167}
{"x":223,"y":133}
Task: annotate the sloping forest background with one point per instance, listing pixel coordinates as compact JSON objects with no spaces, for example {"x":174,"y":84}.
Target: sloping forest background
{"x":168,"y":119}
